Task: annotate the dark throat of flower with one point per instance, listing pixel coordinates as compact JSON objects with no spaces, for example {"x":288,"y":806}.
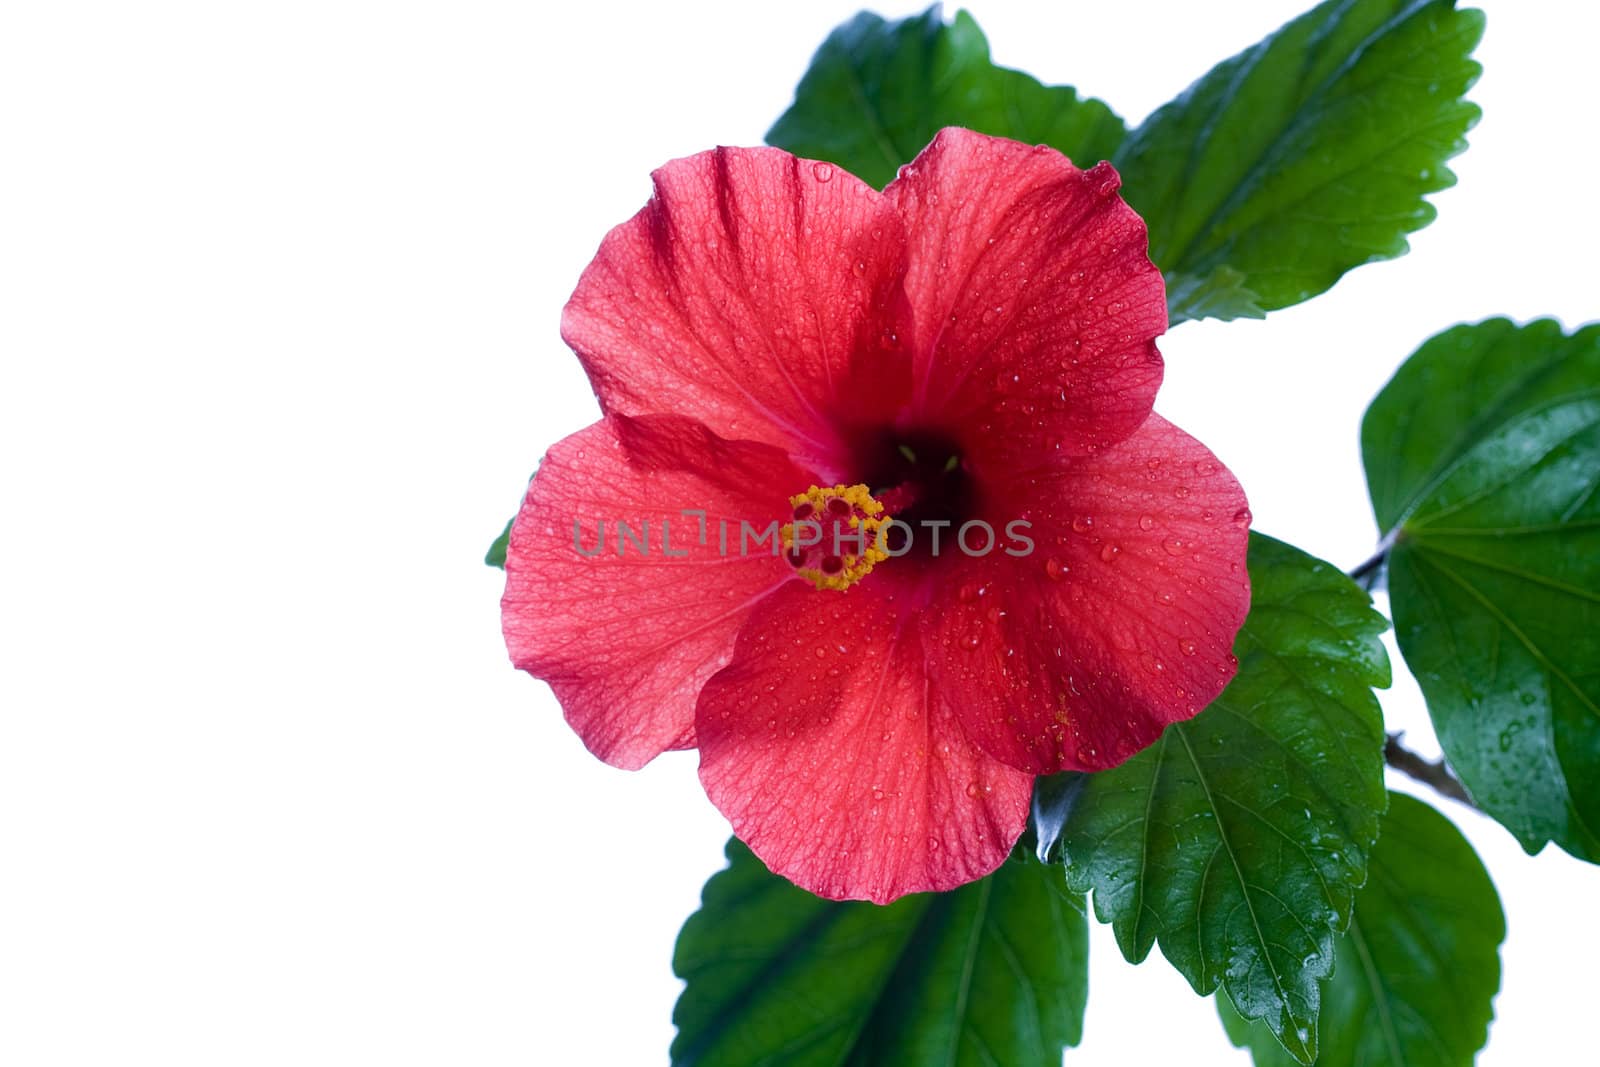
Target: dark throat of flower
{"x":920,"y":478}
{"x":915,"y":487}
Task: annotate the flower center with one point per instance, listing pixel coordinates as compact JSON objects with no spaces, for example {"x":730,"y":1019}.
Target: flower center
{"x":921,"y":478}
{"x":836,"y":536}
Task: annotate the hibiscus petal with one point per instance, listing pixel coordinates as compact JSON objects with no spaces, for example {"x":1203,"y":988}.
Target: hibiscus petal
{"x":823,"y":746}
{"x":756,"y":292}
{"x":1036,"y":304}
{"x":1120,"y":621}
{"x":624,"y":637}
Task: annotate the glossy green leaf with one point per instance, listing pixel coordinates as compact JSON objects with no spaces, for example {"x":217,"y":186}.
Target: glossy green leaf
{"x":1416,"y":974}
{"x":1483,"y":459}
{"x":877,"y":92}
{"x":994,"y":972}
{"x":1305,"y":155}
{"x":1239,"y":839}
{"x":1474,"y":379}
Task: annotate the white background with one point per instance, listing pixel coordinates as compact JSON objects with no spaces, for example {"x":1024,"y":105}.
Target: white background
{"x":279,"y":291}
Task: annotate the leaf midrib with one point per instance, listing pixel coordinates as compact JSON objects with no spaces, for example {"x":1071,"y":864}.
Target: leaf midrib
{"x":968,"y":966}
{"x":1233,"y":858}
{"x":879,"y":128}
{"x":1421,"y":544}
{"x":1380,"y":994}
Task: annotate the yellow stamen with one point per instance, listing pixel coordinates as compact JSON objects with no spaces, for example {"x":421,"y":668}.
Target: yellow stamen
{"x":820,"y":558}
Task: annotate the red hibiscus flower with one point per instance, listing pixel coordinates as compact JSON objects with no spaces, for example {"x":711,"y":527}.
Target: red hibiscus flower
{"x":788,"y":359}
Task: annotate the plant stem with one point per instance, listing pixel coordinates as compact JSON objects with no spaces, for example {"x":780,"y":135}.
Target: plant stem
{"x":1370,"y":567}
{"x":1433,"y":773}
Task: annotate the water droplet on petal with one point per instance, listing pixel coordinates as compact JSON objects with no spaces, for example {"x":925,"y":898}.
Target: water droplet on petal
{"x":1054,"y":569}
{"x":823,"y":172}
{"x":1104,"y":178}
{"x":1242,"y":517}
{"x":1146,"y":522}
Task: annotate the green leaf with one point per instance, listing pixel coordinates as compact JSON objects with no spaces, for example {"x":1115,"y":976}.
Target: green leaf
{"x":1222,"y":294}
{"x":1417,"y":972}
{"x":994,"y":972}
{"x":877,"y":92}
{"x":496,"y":556}
{"x":1475,"y":378}
{"x":1305,"y":155}
{"x":1483,"y":460}
{"x":1239,"y":839}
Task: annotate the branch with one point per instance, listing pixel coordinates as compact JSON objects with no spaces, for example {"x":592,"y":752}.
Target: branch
{"x":1370,"y":568}
{"x":1435,"y":774}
